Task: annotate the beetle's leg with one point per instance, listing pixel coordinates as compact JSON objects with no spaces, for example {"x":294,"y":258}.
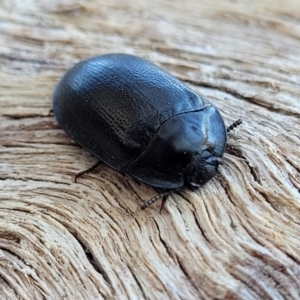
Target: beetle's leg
{"x":163,"y":201}
{"x":234,"y":124}
{"x":152,"y":200}
{"x":92,"y":168}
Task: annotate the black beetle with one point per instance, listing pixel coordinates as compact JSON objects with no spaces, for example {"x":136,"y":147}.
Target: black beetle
{"x":140,"y":120}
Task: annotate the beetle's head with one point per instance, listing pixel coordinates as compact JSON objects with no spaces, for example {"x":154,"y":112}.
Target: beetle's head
{"x":201,"y":168}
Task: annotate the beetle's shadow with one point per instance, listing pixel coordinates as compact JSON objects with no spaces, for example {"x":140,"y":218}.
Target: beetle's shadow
{"x":233,"y":150}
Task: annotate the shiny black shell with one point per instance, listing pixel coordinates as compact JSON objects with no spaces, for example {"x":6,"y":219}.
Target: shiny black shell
{"x":140,"y":120}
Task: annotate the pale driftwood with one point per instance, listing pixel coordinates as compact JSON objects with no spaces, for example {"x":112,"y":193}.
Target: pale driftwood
{"x":238,"y":237}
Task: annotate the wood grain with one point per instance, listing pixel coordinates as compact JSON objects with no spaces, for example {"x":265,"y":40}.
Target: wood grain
{"x":237,"y":237}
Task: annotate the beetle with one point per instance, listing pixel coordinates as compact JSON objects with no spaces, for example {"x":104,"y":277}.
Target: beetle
{"x":140,"y":120}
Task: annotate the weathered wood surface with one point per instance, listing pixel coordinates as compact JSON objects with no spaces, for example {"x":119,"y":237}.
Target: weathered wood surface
{"x":238,"y":237}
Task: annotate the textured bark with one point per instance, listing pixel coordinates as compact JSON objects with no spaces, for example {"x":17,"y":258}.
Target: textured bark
{"x":235,"y":238}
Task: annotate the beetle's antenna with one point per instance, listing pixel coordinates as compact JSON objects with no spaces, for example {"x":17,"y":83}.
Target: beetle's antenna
{"x":234,"y":124}
{"x":152,"y":200}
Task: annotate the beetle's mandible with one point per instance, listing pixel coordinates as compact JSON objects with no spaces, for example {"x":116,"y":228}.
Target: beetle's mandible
{"x":138,"y":119}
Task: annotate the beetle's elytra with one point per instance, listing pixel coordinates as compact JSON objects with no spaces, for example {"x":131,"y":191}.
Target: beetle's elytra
{"x":138,"y":119}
